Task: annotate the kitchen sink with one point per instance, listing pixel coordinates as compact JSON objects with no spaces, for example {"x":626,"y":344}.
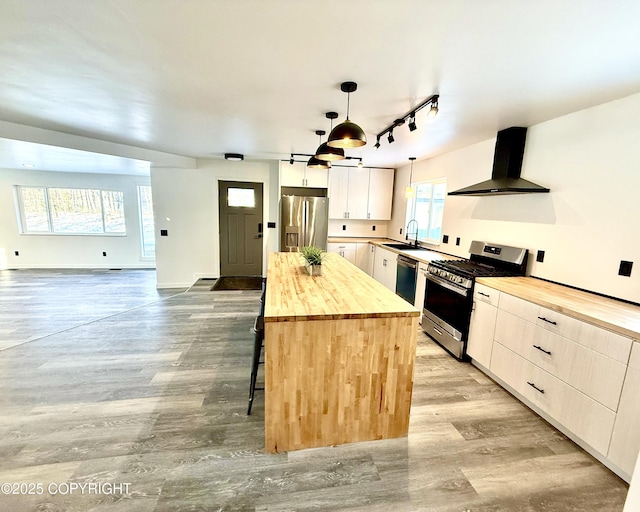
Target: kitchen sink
{"x":405,"y":247}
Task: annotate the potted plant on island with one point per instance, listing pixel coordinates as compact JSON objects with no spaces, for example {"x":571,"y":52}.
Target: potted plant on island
{"x":313,"y":257}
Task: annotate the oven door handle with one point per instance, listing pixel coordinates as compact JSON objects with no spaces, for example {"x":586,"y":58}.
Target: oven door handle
{"x":446,"y":284}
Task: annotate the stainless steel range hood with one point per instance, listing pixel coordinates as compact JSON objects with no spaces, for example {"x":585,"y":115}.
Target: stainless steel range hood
{"x":507,"y":165}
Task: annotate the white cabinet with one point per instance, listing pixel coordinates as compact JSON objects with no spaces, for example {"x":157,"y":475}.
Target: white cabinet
{"x":298,"y":175}
{"x":586,"y":418}
{"x":380,"y":194}
{"x":360,"y":193}
{"x":364,"y":257}
{"x":346,"y":250}
{"x":576,"y":374}
{"x":421,"y":287}
{"x":625,"y":441}
{"x":385,"y":266}
{"x":483,"y":323}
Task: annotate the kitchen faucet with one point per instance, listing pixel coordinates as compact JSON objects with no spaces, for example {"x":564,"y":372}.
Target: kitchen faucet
{"x":406,"y":237}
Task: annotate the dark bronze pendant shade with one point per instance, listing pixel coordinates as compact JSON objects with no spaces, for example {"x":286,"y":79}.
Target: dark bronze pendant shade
{"x":347,"y":134}
{"x":316,"y":163}
{"x":326,"y":152}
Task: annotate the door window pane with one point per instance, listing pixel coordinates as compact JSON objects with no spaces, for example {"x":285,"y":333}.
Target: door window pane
{"x":34,"y":208}
{"x":241,"y":197}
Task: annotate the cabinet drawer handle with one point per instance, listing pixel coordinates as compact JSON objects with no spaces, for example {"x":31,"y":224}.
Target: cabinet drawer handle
{"x":535,"y":387}
{"x":548,"y":321}
{"x":484,"y":294}
{"x":541,"y":349}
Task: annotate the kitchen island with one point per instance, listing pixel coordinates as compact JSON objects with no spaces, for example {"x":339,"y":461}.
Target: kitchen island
{"x":339,"y":356}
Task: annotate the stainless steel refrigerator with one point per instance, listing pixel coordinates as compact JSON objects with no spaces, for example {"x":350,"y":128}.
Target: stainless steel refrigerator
{"x":303,"y":221}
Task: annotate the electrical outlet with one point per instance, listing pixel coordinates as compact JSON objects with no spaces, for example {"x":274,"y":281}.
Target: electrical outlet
{"x":458,"y":240}
{"x":540,"y":256}
{"x":164,"y":232}
{"x":104,"y":253}
{"x":373,"y":228}
{"x":271,"y":224}
{"x":625,"y":268}
{"x":344,"y":227}
{"x":17,"y":253}
{"x":445,"y":239}
{"x":400,"y":230}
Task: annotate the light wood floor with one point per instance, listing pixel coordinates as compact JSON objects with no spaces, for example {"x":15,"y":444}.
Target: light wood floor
{"x":104,"y":380}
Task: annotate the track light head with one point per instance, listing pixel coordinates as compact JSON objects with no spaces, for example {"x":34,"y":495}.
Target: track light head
{"x":377,"y":144}
{"x":412,"y":123}
{"x":433,"y":111}
{"x":390,"y":137}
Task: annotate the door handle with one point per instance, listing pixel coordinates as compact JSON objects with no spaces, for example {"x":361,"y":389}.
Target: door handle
{"x":259,"y":235}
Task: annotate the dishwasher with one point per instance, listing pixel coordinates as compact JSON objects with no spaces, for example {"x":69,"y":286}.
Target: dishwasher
{"x":406,"y":277}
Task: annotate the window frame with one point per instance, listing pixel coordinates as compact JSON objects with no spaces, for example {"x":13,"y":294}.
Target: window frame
{"x":141,"y":223}
{"x":410,"y":209}
{"x":22,"y":227}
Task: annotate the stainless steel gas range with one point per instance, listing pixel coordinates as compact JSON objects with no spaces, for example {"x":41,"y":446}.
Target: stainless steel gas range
{"x":449,"y":293}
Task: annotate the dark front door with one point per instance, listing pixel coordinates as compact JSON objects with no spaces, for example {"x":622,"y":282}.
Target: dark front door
{"x":241,"y":228}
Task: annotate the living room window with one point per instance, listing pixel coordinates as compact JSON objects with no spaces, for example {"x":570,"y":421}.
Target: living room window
{"x":71,"y":211}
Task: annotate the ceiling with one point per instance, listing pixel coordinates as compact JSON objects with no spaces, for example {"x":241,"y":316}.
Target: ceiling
{"x":198,"y":78}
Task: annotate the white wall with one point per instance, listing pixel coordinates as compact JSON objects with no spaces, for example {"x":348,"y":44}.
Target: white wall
{"x":358,"y":228}
{"x":189,"y":198}
{"x":591,"y":162}
{"x":69,"y":251}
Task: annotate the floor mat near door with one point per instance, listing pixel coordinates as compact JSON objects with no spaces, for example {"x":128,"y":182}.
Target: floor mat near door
{"x":238,"y":283}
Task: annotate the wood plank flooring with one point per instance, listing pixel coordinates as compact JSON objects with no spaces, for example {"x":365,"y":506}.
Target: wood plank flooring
{"x":104,"y":380}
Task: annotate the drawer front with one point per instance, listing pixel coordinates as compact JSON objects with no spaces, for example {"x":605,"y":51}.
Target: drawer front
{"x":586,"y":418}
{"x":485,"y":294}
{"x":348,"y":246}
{"x":605,"y":342}
{"x":594,"y":374}
{"x":519,"y":307}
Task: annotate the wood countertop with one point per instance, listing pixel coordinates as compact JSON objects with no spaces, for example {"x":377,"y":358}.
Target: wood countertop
{"x":342,"y":291}
{"x":611,"y":314}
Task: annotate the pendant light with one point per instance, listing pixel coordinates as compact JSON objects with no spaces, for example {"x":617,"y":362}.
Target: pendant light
{"x":326,"y":152}
{"x":409,"y":192}
{"x":347,"y":134}
{"x":315,"y":163}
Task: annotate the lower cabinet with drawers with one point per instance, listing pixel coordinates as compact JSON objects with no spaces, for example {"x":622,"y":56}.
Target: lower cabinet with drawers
{"x":576,"y":375}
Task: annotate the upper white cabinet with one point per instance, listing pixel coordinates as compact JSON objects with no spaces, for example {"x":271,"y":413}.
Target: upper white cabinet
{"x":298,"y":175}
{"x":360,"y":193}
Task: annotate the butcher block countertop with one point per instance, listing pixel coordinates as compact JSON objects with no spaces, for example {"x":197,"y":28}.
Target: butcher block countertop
{"x":342,"y":291}
{"x":617,"y":316}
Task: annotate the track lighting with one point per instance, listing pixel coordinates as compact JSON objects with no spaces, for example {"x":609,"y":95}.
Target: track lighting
{"x":326,"y":152}
{"x":409,"y":192}
{"x":347,"y":134}
{"x":411,"y":116}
